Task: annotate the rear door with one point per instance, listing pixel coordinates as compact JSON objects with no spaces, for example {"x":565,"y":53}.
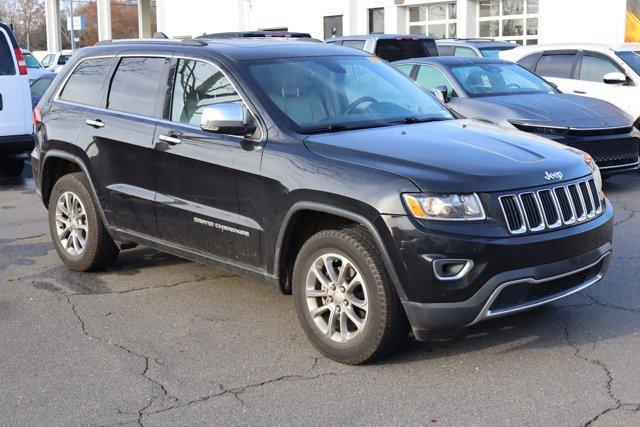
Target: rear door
{"x":13,"y":112}
{"x":118,"y":139}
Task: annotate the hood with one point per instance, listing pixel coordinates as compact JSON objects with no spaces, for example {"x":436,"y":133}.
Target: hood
{"x":551,"y":109}
{"x":453,"y":155}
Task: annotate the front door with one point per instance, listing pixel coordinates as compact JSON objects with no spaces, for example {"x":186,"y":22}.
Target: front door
{"x":197,"y":172}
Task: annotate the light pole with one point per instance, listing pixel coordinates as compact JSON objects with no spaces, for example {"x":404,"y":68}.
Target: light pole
{"x":73,"y":33}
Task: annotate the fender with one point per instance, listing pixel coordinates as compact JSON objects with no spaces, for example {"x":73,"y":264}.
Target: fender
{"x":78,"y":161}
{"x":319,"y":207}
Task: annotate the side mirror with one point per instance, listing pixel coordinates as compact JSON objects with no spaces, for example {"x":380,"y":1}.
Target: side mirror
{"x":614,"y":78}
{"x":441,"y":92}
{"x":229,"y":118}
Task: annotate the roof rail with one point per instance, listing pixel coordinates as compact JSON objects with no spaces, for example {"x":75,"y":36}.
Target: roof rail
{"x":484,"y":39}
{"x":188,"y":42}
{"x":255,"y":34}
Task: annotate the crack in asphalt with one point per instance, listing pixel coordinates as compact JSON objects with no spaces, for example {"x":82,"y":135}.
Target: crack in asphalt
{"x":146,"y":359}
{"x":618,"y":403}
{"x":237,"y":391}
{"x":17,"y":239}
{"x":632,"y":214}
{"x":611,"y":306}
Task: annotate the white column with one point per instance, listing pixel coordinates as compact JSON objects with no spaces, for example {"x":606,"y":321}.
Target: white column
{"x":467,"y":17}
{"x":54,"y":37}
{"x":104,"y":19}
{"x":144,"y":19}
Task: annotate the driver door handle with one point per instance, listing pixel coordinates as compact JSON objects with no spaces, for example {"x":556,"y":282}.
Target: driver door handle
{"x":95,"y":123}
{"x":171,"y":139}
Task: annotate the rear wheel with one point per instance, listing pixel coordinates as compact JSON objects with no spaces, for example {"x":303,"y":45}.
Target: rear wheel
{"x":344,"y":298}
{"x":11,"y":168}
{"x":78,"y":234}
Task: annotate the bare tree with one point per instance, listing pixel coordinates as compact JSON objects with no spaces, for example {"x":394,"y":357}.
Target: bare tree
{"x":30,"y":14}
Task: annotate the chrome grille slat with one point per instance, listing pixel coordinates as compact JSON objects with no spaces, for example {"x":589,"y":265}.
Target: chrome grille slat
{"x":550,"y":208}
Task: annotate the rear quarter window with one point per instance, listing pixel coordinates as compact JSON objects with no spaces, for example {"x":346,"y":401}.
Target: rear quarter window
{"x":7,"y":66}
{"x":84,"y":84}
{"x":356,"y":44}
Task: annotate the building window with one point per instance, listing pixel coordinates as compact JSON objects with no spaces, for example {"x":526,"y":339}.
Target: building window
{"x":332,"y":26}
{"x":376,"y":20}
{"x":509,"y":20}
{"x":437,"y":20}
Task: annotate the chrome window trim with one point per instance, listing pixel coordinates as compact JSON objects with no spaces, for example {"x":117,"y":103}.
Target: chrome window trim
{"x":57,"y":98}
{"x":486,"y":313}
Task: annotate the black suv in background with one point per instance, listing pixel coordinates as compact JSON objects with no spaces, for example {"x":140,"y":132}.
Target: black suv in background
{"x":322,"y":171}
{"x":390,"y":47}
{"x":473,"y":48}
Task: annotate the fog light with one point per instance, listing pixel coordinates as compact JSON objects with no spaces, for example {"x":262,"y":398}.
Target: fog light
{"x":451,"y":269}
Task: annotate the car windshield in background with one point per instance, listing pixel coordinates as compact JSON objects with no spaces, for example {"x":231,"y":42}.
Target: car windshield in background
{"x":493,"y":52}
{"x":342,"y":92}
{"x":398,"y":49}
{"x":31,"y":61}
{"x":498,"y":79}
{"x":40,"y":86}
{"x":631,"y":58}
{"x":63,"y":59}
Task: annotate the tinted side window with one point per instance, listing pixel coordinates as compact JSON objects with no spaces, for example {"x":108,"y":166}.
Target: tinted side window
{"x":7,"y":68}
{"x":358,"y":44}
{"x":397,"y":50}
{"x":529,"y":62}
{"x":83,"y":86}
{"x":445,"y":50}
{"x":556,"y":65}
{"x":198,"y":84}
{"x":594,"y":68}
{"x":135,"y":85}
{"x":430,"y":78}
{"x":465,"y":51}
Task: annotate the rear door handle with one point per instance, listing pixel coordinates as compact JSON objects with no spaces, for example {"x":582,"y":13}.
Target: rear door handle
{"x":580,"y":92}
{"x":95,"y":123}
{"x":170,"y":139}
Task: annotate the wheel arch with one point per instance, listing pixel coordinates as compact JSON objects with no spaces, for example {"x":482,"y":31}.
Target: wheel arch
{"x":284,"y":243}
{"x":52,"y":171}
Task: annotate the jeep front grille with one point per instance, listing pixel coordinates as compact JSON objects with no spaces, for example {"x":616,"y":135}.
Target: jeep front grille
{"x":551,"y":208}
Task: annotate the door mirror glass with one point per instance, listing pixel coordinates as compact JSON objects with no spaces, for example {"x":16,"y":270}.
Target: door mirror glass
{"x":227,"y":117}
{"x":614,"y":78}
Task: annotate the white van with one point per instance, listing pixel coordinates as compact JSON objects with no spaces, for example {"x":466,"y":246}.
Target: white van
{"x":16,"y":125}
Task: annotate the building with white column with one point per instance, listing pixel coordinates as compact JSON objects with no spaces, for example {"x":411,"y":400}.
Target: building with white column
{"x":522,"y":21}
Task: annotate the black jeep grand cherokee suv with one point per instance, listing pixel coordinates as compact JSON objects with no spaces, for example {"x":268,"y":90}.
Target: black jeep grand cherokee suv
{"x":322,"y":171}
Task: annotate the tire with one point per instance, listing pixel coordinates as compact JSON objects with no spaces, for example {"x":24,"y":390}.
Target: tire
{"x":11,"y":168}
{"x":98,"y":250}
{"x":385,"y":324}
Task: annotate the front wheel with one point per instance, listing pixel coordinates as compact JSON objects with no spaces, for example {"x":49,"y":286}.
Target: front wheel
{"x":344,"y":298}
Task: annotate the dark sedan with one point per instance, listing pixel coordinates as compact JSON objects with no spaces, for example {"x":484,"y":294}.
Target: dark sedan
{"x":505,"y":94}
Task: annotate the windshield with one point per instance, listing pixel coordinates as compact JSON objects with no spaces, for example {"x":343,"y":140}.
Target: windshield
{"x":342,"y":92}
{"x":31,"y":61}
{"x":40,"y":86}
{"x":493,"y":52}
{"x":498,"y":79}
{"x":632,"y":59}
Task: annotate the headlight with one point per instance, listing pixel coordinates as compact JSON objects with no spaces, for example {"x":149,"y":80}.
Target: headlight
{"x":445,"y":207}
{"x":595,"y":170}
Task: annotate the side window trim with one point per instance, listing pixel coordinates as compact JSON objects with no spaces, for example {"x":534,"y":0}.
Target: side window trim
{"x":166,"y":117}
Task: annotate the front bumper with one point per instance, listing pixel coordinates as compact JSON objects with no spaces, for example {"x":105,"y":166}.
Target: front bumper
{"x":509,"y":274}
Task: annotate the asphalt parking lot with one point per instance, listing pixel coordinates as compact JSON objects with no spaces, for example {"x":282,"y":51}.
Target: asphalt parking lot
{"x":160,"y":340}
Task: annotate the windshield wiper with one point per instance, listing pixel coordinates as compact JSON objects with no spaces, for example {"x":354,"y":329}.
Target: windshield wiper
{"x":412,"y":119}
{"x":331,"y":128}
